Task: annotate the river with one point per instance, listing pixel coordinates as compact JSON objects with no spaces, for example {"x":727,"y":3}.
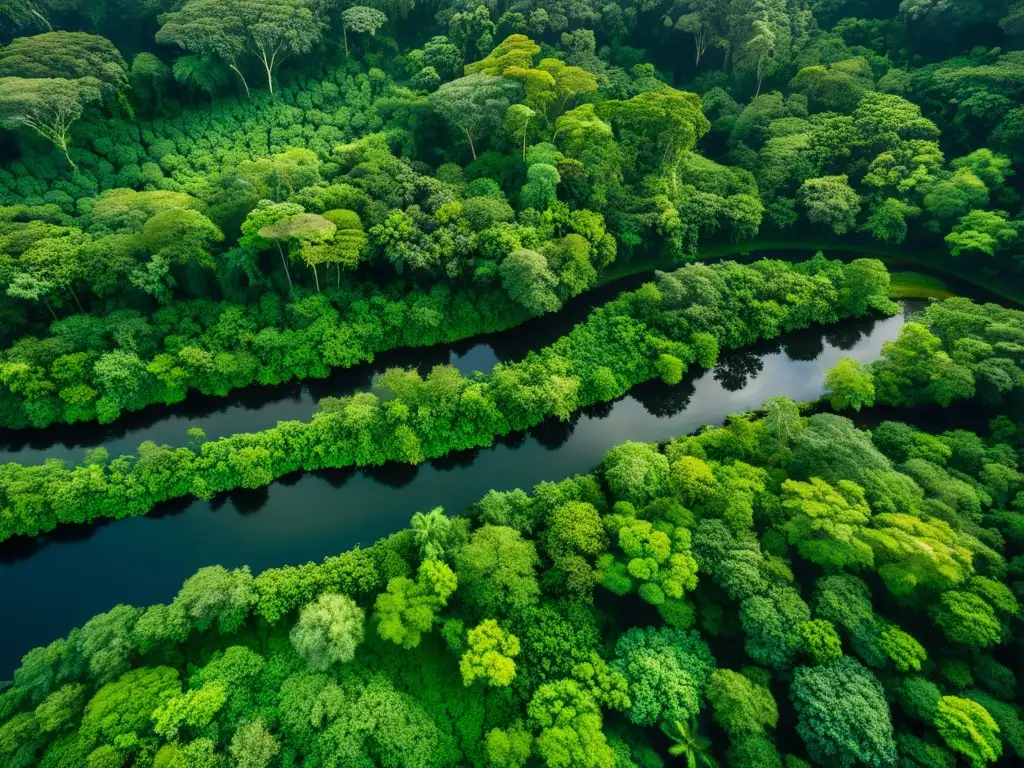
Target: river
{"x":256,"y":408}
{"x":55,"y":582}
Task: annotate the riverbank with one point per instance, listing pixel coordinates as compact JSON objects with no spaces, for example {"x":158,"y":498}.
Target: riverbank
{"x":937,"y":268}
{"x":60,"y":580}
{"x":259,"y":407}
{"x":932,"y":282}
{"x":914,"y":285}
{"x":635,"y":338}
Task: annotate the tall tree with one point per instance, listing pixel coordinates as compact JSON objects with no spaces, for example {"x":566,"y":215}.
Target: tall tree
{"x":362,"y":19}
{"x":842,"y":714}
{"x":349,"y":242}
{"x":762,"y":35}
{"x":831,"y":201}
{"x":46,"y":106}
{"x":278,"y":29}
{"x":66,"y":55}
{"x":253,"y":746}
{"x":706,"y":21}
{"x":207,"y":28}
{"x":328,"y":631}
{"x":517,"y":121}
{"x":657,"y":128}
{"x":24,"y":13}
{"x":269,"y":30}
{"x":263,"y":215}
{"x":301,"y":230}
{"x":476,"y":104}
{"x":570,"y":82}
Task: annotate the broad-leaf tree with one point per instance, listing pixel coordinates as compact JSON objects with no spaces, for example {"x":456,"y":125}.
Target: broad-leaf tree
{"x":328,"y":631}
{"x":476,"y":104}
{"x":46,"y":106}
{"x":360,"y":18}
{"x":66,"y":55}
{"x":206,"y":28}
{"x":269,"y":30}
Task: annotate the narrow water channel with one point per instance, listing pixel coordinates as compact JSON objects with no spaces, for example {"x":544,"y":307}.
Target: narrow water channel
{"x":53,"y":583}
{"x":257,"y":408}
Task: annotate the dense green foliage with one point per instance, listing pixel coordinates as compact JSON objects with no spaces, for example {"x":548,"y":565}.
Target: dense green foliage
{"x":683,"y":319}
{"x":93,"y":367}
{"x":955,"y":350}
{"x":227,"y":159}
{"x":564,"y":628}
{"x":202,"y":195}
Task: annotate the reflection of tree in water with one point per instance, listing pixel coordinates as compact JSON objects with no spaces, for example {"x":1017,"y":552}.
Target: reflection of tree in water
{"x":455,"y":460}
{"x":511,"y":440}
{"x":336,"y":478}
{"x":553,"y":433}
{"x":913,"y":308}
{"x":249,"y":501}
{"x":805,"y":346}
{"x":171,"y":508}
{"x":736,"y":368}
{"x":845,"y":336}
{"x":662,"y":400}
{"x":290,"y":479}
{"x":601,"y":410}
{"x":392,"y":474}
{"x":24,"y":547}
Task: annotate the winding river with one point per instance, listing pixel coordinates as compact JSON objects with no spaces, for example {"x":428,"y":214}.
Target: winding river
{"x":257,"y":408}
{"x":58,"y":581}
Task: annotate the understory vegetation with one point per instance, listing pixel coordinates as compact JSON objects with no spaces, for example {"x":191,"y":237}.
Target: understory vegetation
{"x":786,"y":590}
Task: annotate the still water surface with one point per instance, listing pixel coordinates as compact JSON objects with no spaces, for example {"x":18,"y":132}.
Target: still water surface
{"x":53,"y":583}
{"x":256,"y":408}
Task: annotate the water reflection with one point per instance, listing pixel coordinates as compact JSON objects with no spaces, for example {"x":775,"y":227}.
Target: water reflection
{"x":62,"y":579}
{"x":735,"y":369}
{"x":257,"y":408}
{"x":662,"y":401}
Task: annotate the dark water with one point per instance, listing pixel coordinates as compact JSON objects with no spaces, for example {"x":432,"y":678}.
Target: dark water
{"x":51,"y":584}
{"x":261,"y":407}
{"x":257,"y":408}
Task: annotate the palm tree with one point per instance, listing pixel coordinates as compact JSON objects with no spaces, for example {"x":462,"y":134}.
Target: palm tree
{"x":430,"y":531}
{"x":696,"y":748}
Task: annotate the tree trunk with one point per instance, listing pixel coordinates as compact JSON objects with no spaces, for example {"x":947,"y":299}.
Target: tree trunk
{"x":316,"y":277}
{"x":344,"y":33}
{"x":268,"y":64}
{"x":339,"y":275}
{"x":760,"y":80}
{"x":664,"y":159}
{"x":42,"y":18}
{"x":47,"y":305}
{"x":284,"y":261}
{"x":77,"y":302}
{"x":239,"y":73}
{"x":64,"y":148}
{"x":525,"y":129}
{"x":468,"y":136}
